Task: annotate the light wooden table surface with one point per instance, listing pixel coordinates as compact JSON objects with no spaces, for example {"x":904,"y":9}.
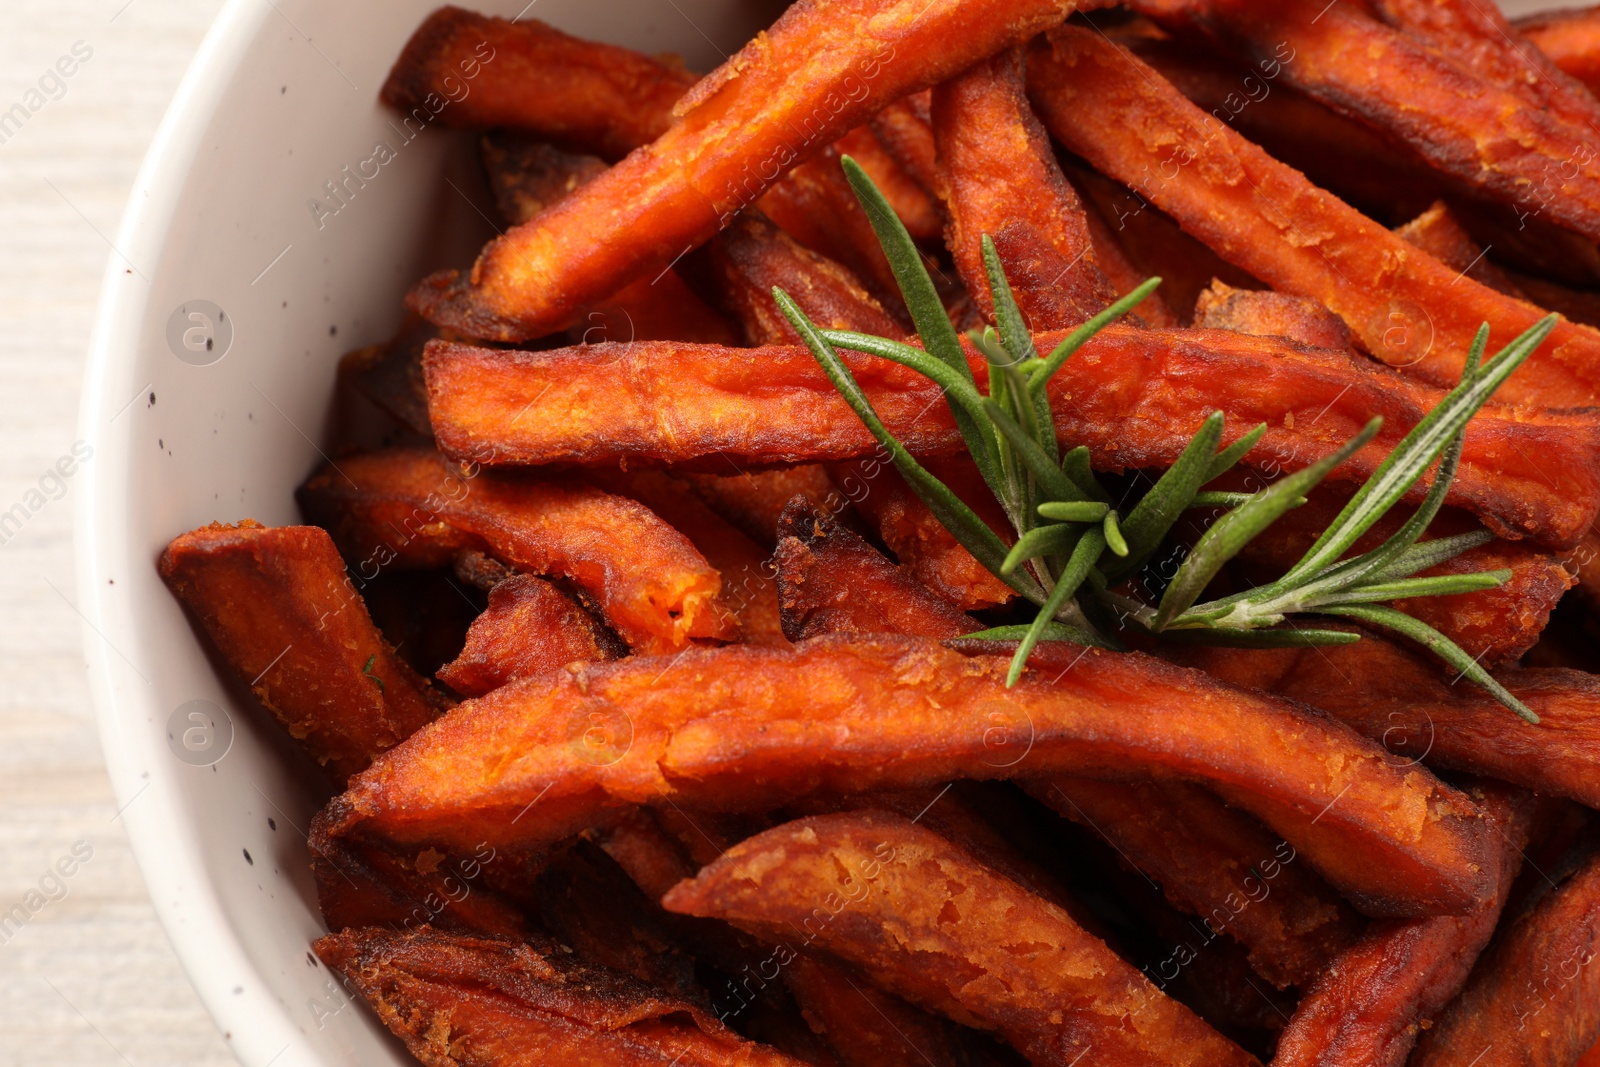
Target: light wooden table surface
{"x":91,"y":979}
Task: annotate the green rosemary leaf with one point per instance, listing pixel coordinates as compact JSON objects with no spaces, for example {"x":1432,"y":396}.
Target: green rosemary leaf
{"x":1284,"y":638}
{"x":1416,"y":452}
{"x":1014,"y":332}
{"x":1075,"y":465}
{"x":1018,"y":342}
{"x":1475,"y":353}
{"x":1078,"y":337}
{"x":1081,"y":562}
{"x":1437,"y":643}
{"x":1437,"y":585}
{"x":1224,"y":500}
{"x":1053,"y":631}
{"x":957,"y":390}
{"x":973,"y":533}
{"x":1154,"y":515}
{"x":1431,"y":553}
{"x":1052,"y":479}
{"x":1042,"y":541}
{"x":1074,"y":510}
{"x":1225,"y":460}
{"x":1234,"y":530}
{"x":922,"y":299}
{"x":1112,"y":530}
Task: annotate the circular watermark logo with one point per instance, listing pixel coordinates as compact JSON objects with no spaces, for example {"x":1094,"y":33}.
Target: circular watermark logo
{"x":199,"y":733}
{"x":199,"y":332}
{"x":600,"y":737}
{"x":1007,"y":735}
{"x":1405,"y":334}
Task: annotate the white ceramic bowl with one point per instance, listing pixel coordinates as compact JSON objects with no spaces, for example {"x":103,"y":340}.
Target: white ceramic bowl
{"x":282,"y":97}
{"x":220,"y":214}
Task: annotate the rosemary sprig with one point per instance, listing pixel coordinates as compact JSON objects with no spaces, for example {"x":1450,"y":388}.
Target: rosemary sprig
{"x":1074,"y":549}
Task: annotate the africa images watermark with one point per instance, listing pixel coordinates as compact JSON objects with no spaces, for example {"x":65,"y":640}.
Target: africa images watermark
{"x":51,"y":86}
{"x":52,"y":485}
{"x":341,"y":189}
{"x":53,"y":887}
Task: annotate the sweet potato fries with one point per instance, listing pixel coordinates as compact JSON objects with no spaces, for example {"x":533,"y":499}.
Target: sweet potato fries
{"x":706,"y":682}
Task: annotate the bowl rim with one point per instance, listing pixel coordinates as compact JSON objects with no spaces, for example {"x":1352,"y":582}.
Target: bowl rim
{"x":256,"y":1026}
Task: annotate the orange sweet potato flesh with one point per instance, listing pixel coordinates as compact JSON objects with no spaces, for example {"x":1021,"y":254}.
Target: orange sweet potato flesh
{"x":1374,"y":999}
{"x":530,"y":627}
{"x":748,"y":591}
{"x":482,"y":1002}
{"x":816,"y":73}
{"x":465,"y":69}
{"x":372,"y":885}
{"x":1571,"y":39}
{"x":905,"y":129}
{"x":1481,"y":39}
{"x":1133,"y":396}
{"x":1437,"y":232}
{"x":753,"y":500}
{"x":744,"y":727}
{"x":1211,"y":861}
{"x":1264,"y":313}
{"x":1405,"y":307}
{"x":936,"y":926}
{"x":1399,"y":697}
{"x":830,"y":581}
{"x":918,"y":539}
{"x":1495,"y":626}
{"x":910,"y":201}
{"x":865,"y":1026}
{"x":1537,"y":157}
{"x":1534,"y":998}
{"x":1124,"y":275}
{"x":753,"y":255}
{"x":414,"y":508}
{"x":278,"y":605}
{"x":998,"y":176}
{"x":1204,"y":854}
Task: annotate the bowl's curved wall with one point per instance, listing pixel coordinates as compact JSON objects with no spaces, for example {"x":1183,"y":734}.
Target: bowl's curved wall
{"x":232,"y":219}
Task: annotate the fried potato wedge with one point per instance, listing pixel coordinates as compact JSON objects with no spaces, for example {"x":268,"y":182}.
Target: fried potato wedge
{"x":1405,"y":307}
{"x":999,"y":177}
{"x":863,"y":1026}
{"x":748,"y":591}
{"x":1133,"y":396}
{"x":1437,"y":232}
{"x":830,"y":581}
{"x":753,"y":500}
{"x":1375,"y":998}
{"x":919,"y":540}
{"x":528,"y":176}
{"x":1535,"y":157}
{"x":914,"y":205}
{"x":1213,"y":862}
{"x":278,"y":605}
{"x":905,"y":129}
{"x":414,"y":508}
{"x":1571,"y":40}
{"x":465,"y":69}
{"x":530,"y":627}
{"x":745,"y":261}
{"x":934,"y":925}
{"x":1120,"y":270}
{"x":373,"y":885}
{"x":1264,"y":313}
{"x":482,"y":1002}
{"x":1482,"y":40}
{"x":1534,"y":998}
{"x":1400,"y":697}
{"x":743,"y":727}
{"x":1205,"y":855}
{"x":818,"y":72}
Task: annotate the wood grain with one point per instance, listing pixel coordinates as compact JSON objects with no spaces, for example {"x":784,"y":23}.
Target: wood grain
{"x":90,"y":978}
